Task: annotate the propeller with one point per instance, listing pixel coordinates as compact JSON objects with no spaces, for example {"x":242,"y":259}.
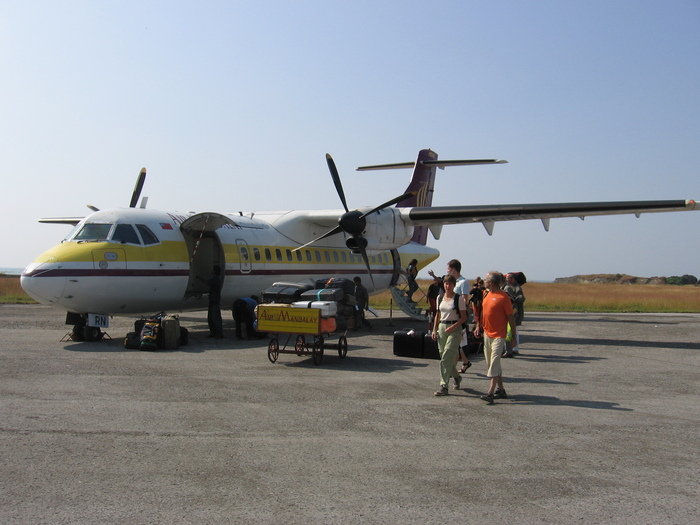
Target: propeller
{"x":137,"y":188}
{"x":353,"y":222}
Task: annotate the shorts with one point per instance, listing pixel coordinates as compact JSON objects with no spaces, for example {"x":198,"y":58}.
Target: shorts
{"x":493,"y":348}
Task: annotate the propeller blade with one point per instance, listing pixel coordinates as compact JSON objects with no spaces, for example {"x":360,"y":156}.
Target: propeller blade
{"x":369,"y":270}
{"x":335,"y":230}
{"x":93,"y":208}
{"x":336,"y":180}
{"x":390,"y":203}
{"x":137,"y":188}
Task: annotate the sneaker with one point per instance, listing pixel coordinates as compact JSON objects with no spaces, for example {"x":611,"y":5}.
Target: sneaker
{"x":442,"y":391}
{"x":458,"y":381}
{"x":500,"y":393}
{"x":507,"y":354}
{"x":488,"y":398}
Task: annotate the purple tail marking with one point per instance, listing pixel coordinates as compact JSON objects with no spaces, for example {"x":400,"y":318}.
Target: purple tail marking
{"x":423,"y":183}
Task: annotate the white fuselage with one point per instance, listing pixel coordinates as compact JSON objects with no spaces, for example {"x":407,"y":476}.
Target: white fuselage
{"x":131,"y":260}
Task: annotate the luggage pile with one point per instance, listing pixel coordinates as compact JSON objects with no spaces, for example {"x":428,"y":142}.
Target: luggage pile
{"x":335,"y":298}
{"x":158,"y":332}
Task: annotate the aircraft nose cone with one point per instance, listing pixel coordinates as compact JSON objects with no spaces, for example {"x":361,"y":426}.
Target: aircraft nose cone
{"x":36,"y":280}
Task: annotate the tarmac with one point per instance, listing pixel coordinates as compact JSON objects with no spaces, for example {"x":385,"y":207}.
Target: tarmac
{"x":601,"y":426}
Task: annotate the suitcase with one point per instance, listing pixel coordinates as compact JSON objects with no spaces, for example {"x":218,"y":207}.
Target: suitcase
{"x":132,"y":340}
{"x":347,"y":285}
{"x":406,"y":345}
{"x":430,"y":348}
{"x":322,"y":294}
{"x":170,"y":330}
{"x":328,"y":308}
{"x":285,"y":293}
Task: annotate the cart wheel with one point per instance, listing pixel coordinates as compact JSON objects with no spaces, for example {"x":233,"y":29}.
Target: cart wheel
{"x":342,"y":346}
{"x":317,"y":350}
{"x":300,"y":344}
{"x":273,"y":350}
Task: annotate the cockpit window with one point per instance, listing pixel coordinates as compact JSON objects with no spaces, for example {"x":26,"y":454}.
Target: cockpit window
{"x":147,"y":235}
{"x":93,"y":232}
{"x":125,"y":234}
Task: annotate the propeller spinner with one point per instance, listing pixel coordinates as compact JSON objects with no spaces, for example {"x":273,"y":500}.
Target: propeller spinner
{"x":353,"y":222}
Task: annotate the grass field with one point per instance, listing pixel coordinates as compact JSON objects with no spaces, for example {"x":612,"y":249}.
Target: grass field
{"x":543,"y":297}
{"x":556,"y":297}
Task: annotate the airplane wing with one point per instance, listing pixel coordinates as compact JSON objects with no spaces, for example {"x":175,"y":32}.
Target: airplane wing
{"x":490,"y":214}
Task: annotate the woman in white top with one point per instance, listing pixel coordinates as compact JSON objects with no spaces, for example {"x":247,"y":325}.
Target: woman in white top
{"x":447,"y":330}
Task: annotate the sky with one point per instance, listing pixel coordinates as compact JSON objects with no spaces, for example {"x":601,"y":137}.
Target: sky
{"x":232,"y":105}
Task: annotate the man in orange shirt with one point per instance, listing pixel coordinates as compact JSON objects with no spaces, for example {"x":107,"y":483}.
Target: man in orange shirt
{"x":496,"y":314}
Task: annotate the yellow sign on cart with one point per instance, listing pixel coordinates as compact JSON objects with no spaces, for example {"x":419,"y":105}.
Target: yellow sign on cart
{"x":285,"y":319}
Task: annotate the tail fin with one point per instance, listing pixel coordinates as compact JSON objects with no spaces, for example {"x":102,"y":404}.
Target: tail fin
{"x":423,"y":182}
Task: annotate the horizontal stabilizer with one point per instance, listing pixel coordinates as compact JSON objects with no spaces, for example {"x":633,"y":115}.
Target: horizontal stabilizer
{"x":435,"y":163}
{"x":62,"y":220}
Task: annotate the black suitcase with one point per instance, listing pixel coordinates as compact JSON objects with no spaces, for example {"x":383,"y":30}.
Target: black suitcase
{"x":406,"y":345}
{"x":286,"y":293}
{"x":430,"y":348}
{"x":347,"y":285}
{"x":323,"y":294}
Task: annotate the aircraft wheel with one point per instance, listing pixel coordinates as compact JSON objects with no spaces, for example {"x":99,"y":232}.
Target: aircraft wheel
{"x":300,"y":344}
{"x":317,"y":350}
{"x":273,"y":350}
{"x":91,"y":333}
{"x":342,"y":346}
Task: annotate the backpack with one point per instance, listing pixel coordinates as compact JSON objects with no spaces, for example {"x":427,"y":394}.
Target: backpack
{"x":455,"y":306}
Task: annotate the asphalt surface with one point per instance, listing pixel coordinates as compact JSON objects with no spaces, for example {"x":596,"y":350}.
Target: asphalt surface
{"x":602,"y":426}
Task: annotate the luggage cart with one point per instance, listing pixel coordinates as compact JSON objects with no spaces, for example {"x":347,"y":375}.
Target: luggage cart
{"x":281,"y":319}
{"x":303,"y":347}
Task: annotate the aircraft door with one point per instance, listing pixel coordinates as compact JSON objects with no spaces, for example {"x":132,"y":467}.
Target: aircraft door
{"x":204,"y":249}
{"x":244,"y":256}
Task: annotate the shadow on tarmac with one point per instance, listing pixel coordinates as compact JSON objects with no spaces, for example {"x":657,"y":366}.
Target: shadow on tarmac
{"x":543,"y":339}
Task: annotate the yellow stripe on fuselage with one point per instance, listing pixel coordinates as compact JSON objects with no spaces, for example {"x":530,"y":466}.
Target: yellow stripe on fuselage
{"x":176,"y":252}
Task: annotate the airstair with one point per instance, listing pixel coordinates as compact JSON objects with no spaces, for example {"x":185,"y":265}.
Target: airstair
{"x":409,"y":308}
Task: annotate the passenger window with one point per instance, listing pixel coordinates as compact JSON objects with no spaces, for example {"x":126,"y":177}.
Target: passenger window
{"x":289,"y":254}
{"x":147,"y":235}
{"x":244,"y":253}
{"x":335,"y":255}
{"x":268,"y":255}
{"x":256,"y":254}
{"x":299,"y":258}
{"x":327,"y":256}
{"x":308,"y":255}
{"x":278,"y":254}
{"x":345,"y":257}
{"x":125,"y":234}
{"x":318,"y":256}
{"x":93,"y":232}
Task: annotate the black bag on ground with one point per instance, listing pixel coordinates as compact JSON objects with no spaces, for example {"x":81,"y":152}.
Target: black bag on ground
{"x":406,"y":345}
{"x":430,"y":347}
{"x":132,"y":340}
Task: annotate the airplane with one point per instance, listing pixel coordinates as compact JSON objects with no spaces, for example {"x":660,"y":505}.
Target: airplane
{"x":137,"y":261}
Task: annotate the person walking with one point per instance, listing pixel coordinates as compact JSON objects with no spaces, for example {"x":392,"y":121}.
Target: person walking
{"x":411,"y":274}
{"x":454,"y":268}
{"x":517,"y":297}
{"x":447,"y":330}
{"x":496,"y":314}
